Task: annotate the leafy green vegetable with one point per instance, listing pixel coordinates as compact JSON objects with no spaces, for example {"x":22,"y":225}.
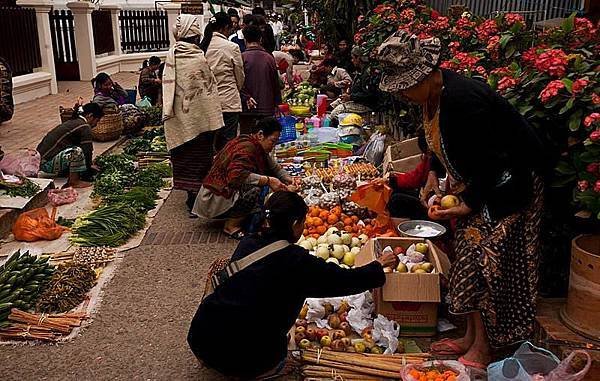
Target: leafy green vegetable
{"x":137,"y":145}
{"x":150,"y":178}
{"x":66,"y":222}
{"x":116,"y":162}
{"x":26,"y":188}
{"x":140,"y":197}
{"x":163,"y":169}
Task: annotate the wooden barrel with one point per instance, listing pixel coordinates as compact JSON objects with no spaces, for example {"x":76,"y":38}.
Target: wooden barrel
{"x":582,"y":311}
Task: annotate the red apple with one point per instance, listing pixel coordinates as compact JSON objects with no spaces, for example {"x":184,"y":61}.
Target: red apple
{"x":338,"y":334}
{"x":322,"y":332}
{"x":344,"y":317}
{"x":398,"y":250}
{"x":346,"y":341}
{"x":300,"y":329}
{"x":311,"y":334}
{"x":334,"y":321}
{"x":338,"y":346}
{"x":301,"y":323}
{"x":346,"y":328}
{"x":299,"y":337}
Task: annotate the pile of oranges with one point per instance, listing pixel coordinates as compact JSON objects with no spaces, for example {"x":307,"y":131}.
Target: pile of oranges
{"x":432,"y":375}
{"x":318,"y":220}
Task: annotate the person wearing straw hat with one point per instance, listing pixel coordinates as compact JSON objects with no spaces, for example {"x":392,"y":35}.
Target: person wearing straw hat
{"x":493,"y":157}
{"x":191,"y":114}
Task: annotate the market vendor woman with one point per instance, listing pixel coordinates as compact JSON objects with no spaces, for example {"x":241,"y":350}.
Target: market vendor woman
{"x":494,"y":157}
{"x":241,"y":328}
{"x":240,"y":170}
{"x":67,"y":149}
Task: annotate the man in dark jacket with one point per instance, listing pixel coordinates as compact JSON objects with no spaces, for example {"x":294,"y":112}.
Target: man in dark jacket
{"x":268,"y":37}
{"x":261,"y":93}
{"x":364,"y":93}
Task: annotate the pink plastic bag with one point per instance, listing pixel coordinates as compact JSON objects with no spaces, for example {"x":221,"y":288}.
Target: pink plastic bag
{"x":565,"y":372}
{"x":64,"y":196}
{"x":24,"y":162}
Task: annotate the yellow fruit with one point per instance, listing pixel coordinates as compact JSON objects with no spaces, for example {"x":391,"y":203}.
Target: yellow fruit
{"x":449,"y":201}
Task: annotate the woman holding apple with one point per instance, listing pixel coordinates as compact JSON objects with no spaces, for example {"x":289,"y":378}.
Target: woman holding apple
{"x":492,"y":157}
{"x":241,"y":328}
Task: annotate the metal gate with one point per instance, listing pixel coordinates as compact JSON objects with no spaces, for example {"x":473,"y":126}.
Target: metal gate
{"x":63,"y":45}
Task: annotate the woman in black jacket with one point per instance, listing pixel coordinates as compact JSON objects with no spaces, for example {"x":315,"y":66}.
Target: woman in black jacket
{"x":493,"y":158}
{"x":257,"y":306}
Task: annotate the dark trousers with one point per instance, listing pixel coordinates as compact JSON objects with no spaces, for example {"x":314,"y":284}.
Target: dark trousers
{"x":229,"y":131}
{"x":405,"y":204}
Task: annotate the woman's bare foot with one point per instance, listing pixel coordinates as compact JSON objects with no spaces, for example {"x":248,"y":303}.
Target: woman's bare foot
{"x":477,"y":357}
{"x":449,"y":347}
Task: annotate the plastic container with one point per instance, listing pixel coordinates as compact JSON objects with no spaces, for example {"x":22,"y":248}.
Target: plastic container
{"x":288,"y":129}
{"x":316,"y":121}
{"x":321,"y":104}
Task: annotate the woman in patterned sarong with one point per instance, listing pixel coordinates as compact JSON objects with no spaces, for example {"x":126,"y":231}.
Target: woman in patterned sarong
{"x":492,"y":157}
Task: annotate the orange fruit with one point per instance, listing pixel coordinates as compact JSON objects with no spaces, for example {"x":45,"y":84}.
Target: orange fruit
{"x":337,"y":211}
{"x":354,"y":219}
{"x":321,"y":229}
{"x":355,"y":228}
{"x":309,"y":221}
{"x":317,"y":221}
{"x":348,"y":221}
{"x":324,"y":214}
{"x":315,"y":212}
{"x":348,"y":229}
{"x":316,"y":235}
{"x":305,"y":232}
{"x":332,"y":219}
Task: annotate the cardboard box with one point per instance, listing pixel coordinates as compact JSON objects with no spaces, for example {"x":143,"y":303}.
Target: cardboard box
{"x":410,"y":299}
{"x":398,"y":151}
{"x":405,"y":165}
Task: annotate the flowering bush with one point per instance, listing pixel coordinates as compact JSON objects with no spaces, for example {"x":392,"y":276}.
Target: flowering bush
{"x":551,"y":77}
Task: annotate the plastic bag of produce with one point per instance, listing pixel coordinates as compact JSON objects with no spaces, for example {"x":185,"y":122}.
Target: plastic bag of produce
{"x":63,"y":196}
{"x":36,"y":225}
{"x":570,"y":369}
{"x":375,"y":149}
{"x":449,"y":368}
{"x":25,"y":162}
{"x":373,"y":196}
{"x":145,"y":102}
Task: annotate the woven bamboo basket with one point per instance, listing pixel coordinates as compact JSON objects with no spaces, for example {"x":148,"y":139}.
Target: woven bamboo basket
{"x":110,"y":127}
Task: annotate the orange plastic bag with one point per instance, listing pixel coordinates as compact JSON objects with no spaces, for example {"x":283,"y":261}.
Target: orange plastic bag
{"x":36,"y":225}
{"x":375,"y":197}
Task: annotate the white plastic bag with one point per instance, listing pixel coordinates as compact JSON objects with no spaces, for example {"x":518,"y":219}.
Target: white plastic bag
{"x":442,"y":365}
{"x":24,"y":162}
{"x":385,"y":334}
{"x":375,"y":149}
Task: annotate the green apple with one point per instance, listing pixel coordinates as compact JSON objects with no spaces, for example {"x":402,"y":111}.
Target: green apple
{"x":346,"y":239}
{"x":402,"y":268}
{"x":304,"y":344}
{"x":349,"y":259}
{"x":360,"y":347}
{"x":422,"y":248}
{"x":326,"y":341}
{"x":449,"y":201}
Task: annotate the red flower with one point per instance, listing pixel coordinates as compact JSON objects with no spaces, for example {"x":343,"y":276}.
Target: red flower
{"x":514,"y":18}
{"x":595,"y":99}
{"x":592,"y":168}
{"x":553,"y":61}
{"x":551,"y":91}
{"x":579,"y":85}
{"x":464,"y":28}
{"x":494,"y":47}
{"x":454,"y":46}
{"x":435,"y":14}
{"x":486,"y":29}
{"x":440,"y":24}
{"x":597,"y":186}
{"x":584,"y":32}
{"x":502,"y":71}
{"x":381,"y":8}
{"x":407,"y":15}
{"x":507,"y":83}
{"x":481,"y":71}
{"x":531,"y":55}
{"x":583,"y":185}
{"x":589,"y":121}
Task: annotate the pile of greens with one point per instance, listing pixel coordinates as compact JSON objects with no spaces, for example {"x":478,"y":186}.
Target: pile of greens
{"x":26,"y":188}
{"x":142,"y":198}
{"x":153,"y":115}
{"x":117,"y":172}
{"x":137,"y":145}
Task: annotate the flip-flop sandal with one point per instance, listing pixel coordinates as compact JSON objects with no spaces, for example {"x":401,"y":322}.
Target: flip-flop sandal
{"x":451,"y":348}
{"x":237,"y":235}
{"x":472,"y":364}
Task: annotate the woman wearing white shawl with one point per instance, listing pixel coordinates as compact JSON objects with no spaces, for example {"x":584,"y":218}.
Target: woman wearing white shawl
{"x":191,"y":113}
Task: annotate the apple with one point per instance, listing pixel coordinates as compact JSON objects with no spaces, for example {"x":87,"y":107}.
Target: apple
{"x":338,"y":334}
{"x":313,"y":241}
{"x":376,"y":350}
{"x":344,"y":326}
{"x":323,"y":252}
{"x":399,"y":250}
{"x":334,"y":321}
{"x":363,"y":238}
{"x":304,"y":344}
{"x":355,"y":242}
{"x":325,"y":341}
{"x":360,"y":347}
{"x":311,"y":333}
{"x":346,"y":341}
{"x":338,"y":346}
{"x":333,"y":260}
{"x":338,"y":252}
{"x":301,"y":323}
{"x":306,"y":245}
{"x":402,"y":268}
{"x":334,"y":239}
{"x":422,"y":248}
{"x":344,"y":307}
{"x":420,"y":271}
{"x":428,"y":267}
{"x":300,"y":329}
{"x":322,"y":332}
{"x":349,"y":259}
{"x":367,"y":331}
{"x":346,"y":239}
{"x":449,"y":201}
{"x":415,"y":267}
{"x":299,"y":337}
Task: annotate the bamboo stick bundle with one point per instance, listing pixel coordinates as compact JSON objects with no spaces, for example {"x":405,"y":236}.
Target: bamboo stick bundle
{"x":326,"y":372}
{"x":24,"y":332}
{"x":61,"y":323}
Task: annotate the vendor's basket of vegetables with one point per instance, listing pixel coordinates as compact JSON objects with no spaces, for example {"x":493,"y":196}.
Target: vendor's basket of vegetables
{"x":110,"y":127}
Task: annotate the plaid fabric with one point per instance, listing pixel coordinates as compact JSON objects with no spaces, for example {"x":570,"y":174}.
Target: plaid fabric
{"x":67,"y":161}
{"x":232,"y":165}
